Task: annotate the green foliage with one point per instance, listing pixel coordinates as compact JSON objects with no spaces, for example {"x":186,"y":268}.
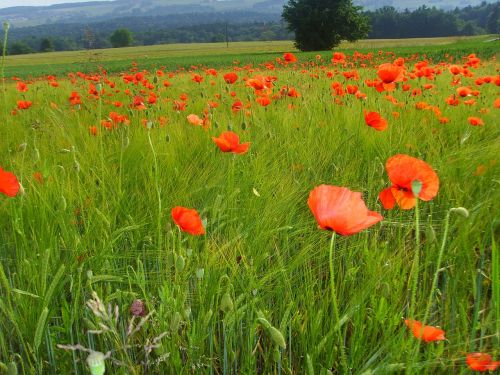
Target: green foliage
{"x":19,"y":48}
{"x":46,"y":45}
{"x":323,"y":24}
{"x":492,"y":23}
{"x":121,"y":38}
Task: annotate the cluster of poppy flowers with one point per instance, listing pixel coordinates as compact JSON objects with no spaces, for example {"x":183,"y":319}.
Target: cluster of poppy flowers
{"x":335,"y":208}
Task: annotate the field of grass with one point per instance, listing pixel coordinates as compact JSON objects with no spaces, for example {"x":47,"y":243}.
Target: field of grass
{"x":219,"y":54}
{"x":104,"y":158}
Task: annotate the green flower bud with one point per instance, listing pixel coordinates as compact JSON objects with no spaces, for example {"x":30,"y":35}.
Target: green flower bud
{"x":460,"y":211}
{"x":277,"y":337}
{"x":416,"y":187}
{"x":180,"y":263}
{"x":96,"y":364}
{"x":226,"y":303}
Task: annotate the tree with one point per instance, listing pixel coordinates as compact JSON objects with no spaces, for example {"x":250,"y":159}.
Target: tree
{"x":323,"y":24}
{"x":46,"y":45}
{"x":19,"y":48}
{"x":121,"y":38}
{"x":492,"y":21}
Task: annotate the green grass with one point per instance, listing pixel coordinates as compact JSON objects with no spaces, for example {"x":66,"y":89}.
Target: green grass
{"x":100,"y":222}
{"x":218,"y":54}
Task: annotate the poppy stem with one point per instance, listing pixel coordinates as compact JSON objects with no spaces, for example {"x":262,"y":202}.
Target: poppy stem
{"x":158,"y":191}
{"x":438,"y":266}
{"x":343,"y":357}
{"x":416,"y":262}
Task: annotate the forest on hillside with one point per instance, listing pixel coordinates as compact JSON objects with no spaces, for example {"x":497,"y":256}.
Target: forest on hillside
{"x":386,"y":22}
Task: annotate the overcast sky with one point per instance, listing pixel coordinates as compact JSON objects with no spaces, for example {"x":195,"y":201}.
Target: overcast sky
{"x":14,"y":3}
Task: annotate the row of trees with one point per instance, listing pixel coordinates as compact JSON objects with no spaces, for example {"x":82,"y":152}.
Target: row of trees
{"x":386,"y":22}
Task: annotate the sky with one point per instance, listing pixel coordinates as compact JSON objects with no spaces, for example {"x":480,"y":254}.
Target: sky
{"x":14,"y":3}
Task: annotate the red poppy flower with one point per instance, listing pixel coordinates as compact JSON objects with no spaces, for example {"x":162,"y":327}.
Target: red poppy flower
{"x":263,"y":101}
{"x":289,"y":57}
{"x":230,"y":142}
{"x":464,"y":91}
{"x":194,"y":119}
{"x":481,"y":362}
{"x":389,"y":73}
{"x":197,"y":78}
{"x":23,"y":104}
{"x":74,"y":98}
{"x":8,"y":183}
{"x":475,"y":121}
{"x":338,"y":57}
{"x":230,"y":77}
{"x":426,"y":333}
{"x":237,"y":106}
{"x":256,"y":83}
{"x":376,"y":121}
{"x":341,"y":210}
{"x":188,"y":220}
{"x":21,"y":87}
{"x":403,"y":170}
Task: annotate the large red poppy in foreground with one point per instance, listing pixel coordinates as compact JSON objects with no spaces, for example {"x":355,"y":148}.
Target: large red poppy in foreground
{"x":341,"y":210}
{"x":403,"y":171}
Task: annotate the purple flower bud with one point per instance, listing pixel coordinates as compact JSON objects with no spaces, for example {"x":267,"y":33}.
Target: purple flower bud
{"x":138,"y":308}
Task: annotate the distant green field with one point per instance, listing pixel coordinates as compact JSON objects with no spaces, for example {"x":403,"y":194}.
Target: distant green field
{"x":219,"y":54}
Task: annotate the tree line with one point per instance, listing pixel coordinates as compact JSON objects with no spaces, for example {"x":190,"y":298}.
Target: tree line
{"x":386,"y":22}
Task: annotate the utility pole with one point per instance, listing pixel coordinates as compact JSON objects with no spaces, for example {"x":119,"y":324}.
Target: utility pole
{"x":227,"y":39}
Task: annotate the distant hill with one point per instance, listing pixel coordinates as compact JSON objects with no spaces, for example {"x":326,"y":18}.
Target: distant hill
{"x":89,"y":12}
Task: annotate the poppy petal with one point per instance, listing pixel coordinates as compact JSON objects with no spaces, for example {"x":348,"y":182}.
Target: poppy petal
{"x":387,"y":199}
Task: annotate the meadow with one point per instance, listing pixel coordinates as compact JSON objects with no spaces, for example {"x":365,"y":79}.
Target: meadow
{"x":98,"y":267}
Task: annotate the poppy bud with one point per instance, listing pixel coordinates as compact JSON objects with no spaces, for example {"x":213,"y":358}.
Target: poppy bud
{"x":277,"y":337}
{"x":264,"y":323}
{"x":226,"y":303}
{"x":416,"y":187}
{"x":200,"y":272}
{"x":96,"y":364}
{"x":460,"y":211}
{"x":180,"y":263}
{"x":138,"y":308}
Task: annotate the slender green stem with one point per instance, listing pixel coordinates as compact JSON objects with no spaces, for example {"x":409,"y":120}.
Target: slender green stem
{"x":343,"y":357}
{"x":416,"y":263}
{"x":438,"y":266}
{"x":434,"y":280}
{"x":158,"y":190}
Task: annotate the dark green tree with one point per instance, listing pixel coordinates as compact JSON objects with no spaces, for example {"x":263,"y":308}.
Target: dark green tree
{"x":121,"y":38}
{"x":19,"y":48}
{"x":323,"y":24}
{"x":492,"y":22}
{"x":46,"y":45}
